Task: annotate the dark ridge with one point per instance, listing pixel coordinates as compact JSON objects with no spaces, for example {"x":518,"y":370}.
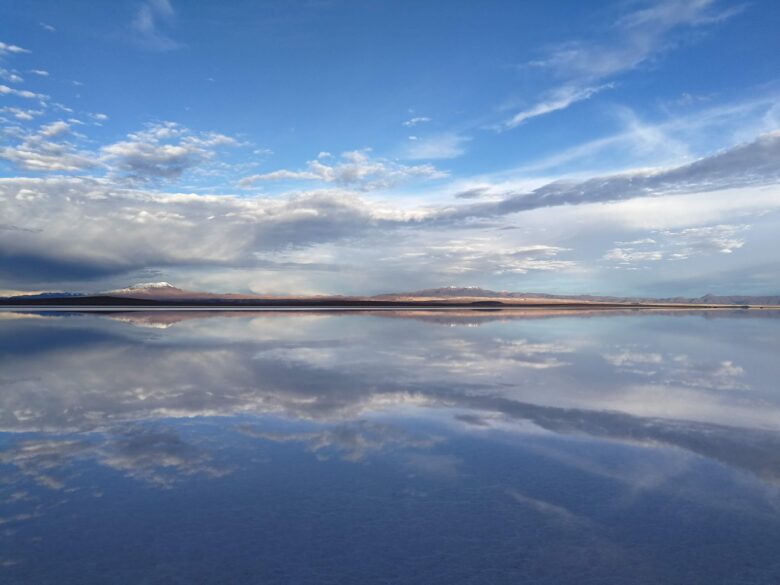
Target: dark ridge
{"x":110,"y":301}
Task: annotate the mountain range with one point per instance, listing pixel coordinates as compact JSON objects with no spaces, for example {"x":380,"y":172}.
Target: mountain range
{"x":166,"y":294}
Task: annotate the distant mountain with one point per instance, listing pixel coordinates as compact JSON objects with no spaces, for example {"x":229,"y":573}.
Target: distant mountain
{"x":165,"y":291}
{"x":154,"y":290}
{"x":49,"y":295}
{"x":166,"y":294}
{"x":472,"y":292}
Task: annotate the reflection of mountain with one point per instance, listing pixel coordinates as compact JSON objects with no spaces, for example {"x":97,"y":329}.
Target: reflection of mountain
{"x":452,"y":318}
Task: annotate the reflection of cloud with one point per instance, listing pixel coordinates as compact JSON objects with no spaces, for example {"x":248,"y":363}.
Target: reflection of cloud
{"x":555,"y":512}
{"x":157,"y":456}
{"x":43,"y":460}
{"x":723,"y":375}
{"x":102,"y":375}
{"x":441,"y":465}
{"x":354,"y":440}
{"x":754,"y":450}
{"x":679,"y":369}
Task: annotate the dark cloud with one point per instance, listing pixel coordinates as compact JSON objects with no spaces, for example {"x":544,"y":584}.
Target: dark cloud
{"x":475,"y":193}
{"x":749,"y":164}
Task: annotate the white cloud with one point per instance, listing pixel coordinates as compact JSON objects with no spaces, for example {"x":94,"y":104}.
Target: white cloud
{"x":5,"y":90}
{"x":46,"y":26}
{"x":723,"y":239}
{"x":40,"y":72}
{"x":417,"y":120}
{"x":634,"y":39}
{"x":10,"y":76}
{"x":355,"y":169}
{"x":162,"y":151}
{"x":679,"y":244}
{"x":630,"y":255}
{"x":483,"y":255}
{"x":152,"y":17}
{"x":21,"y":113}
{"x":41,"y":152}
{"x":441,"y":146}
{"x":6,"y":49}
{"x":54,"y":129}
{"x":631,"y":42}
{"x":667,"y":142}
{"x":558,"y":99}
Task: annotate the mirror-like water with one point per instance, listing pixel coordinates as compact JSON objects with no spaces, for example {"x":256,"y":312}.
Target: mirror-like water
{"x":392,"y":447}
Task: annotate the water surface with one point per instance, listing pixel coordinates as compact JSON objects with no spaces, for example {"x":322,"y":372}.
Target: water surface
{"x":390,"y":447}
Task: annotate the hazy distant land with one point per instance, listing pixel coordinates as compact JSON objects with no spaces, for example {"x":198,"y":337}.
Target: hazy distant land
{"x":165,"y":295}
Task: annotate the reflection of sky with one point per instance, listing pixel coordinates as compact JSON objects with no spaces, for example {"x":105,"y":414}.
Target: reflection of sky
{"x":478,"y":449}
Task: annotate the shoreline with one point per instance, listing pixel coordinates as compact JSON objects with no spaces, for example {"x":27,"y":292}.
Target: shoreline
{"x":573,"y":307}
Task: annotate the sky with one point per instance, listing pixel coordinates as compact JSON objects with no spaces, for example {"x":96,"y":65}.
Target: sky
{"x":369,"y":146}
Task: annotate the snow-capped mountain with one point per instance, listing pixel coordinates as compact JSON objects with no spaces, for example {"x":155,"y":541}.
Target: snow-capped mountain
{"x":154,"y":290}
{"x":144,"y":287}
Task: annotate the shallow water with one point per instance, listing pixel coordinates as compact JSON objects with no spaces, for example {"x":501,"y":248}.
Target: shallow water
{"x":390,"y":447}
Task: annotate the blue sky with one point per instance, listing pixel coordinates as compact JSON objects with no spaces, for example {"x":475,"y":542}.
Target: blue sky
{"x":369,"y":146}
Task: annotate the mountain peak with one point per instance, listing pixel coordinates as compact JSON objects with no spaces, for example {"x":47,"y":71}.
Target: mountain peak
{"x":153,"y":285}
{"x":143,"y":286}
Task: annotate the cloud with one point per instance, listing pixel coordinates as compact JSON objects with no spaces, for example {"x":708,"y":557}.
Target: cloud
{"x":558,"y":99}
{"x":87,"y":228}
{"x":46,"y":26}
{"x":679,"y":244}
{"x":356,"y":169}
{"x":631,"y":42}
{"x":90,"y":227}
{"x":441,"y":146}
{"x":22,"y":114}
{"x":6,"y":49}
{"x":23,"y":93}
{"x":45,"y":151}
{"x":162,"y":151}
{"x":631,"y":256}
{"x":473,"y":193}
{"x":54,"y":129}
{"x":10,"y":76}
{"x":40,"y":72}
{"x":688,"y":242}
{"x":752,"y":163}
{"x":483,"y":255}
{"x":152,"y":17}
{"x":416,"y":121}
{"x":636,"y":38}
